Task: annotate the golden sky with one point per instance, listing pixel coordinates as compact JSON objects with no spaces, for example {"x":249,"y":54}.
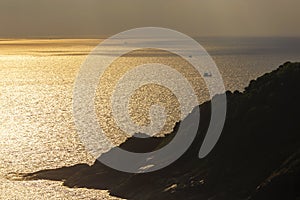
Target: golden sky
{"x":86,"y":18}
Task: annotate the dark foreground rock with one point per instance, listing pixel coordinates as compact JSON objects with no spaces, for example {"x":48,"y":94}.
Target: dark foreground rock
{"x":256,"y":157}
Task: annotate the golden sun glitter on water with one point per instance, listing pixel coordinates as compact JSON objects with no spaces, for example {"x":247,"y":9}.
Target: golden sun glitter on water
{"x":146,"y":95}
{"x":37,"y":129}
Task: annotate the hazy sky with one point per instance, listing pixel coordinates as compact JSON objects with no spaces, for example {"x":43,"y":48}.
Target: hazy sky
{"x":36,"y":18}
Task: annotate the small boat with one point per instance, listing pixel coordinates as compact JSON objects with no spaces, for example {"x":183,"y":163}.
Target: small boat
{"x":207,"y":74}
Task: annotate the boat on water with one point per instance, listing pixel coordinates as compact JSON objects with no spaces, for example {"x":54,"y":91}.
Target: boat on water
{"x":207,"y":74}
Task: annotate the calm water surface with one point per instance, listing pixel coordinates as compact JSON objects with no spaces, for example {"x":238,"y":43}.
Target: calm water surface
{"x":36,"y":84}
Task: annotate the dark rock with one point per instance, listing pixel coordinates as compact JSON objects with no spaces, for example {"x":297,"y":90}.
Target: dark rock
{"x":261,"y":131}
{"x":284,"y":183}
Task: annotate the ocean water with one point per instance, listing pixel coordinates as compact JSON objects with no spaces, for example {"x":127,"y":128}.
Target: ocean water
{"x":36,"y":88}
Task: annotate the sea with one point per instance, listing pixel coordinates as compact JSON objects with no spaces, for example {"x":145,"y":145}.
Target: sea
{"x":37,"y":76}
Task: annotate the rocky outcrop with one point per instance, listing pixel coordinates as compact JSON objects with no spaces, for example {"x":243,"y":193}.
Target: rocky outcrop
{"x":256,"y":157}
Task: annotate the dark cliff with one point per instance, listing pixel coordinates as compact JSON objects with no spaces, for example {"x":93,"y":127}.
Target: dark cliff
{"x":256,"y":157}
